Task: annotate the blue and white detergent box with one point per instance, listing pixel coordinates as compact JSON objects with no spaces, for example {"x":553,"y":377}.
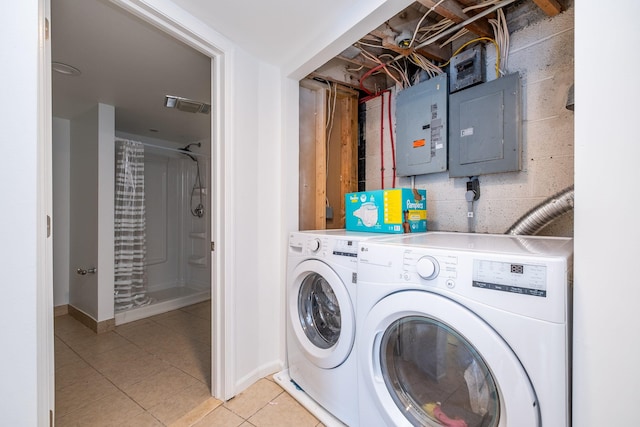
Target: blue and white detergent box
{"x":398,"y":210}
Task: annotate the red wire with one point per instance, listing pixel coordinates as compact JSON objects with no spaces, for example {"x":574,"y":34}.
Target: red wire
{"x":393,"y":149}
{"x":382,"y":139}
{"x":367,"y":74}
{"x":370,"y":97}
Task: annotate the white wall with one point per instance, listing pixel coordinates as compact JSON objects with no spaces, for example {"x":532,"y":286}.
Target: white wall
{"x":61,"y":139}
{"x":106,"y":202}
{"x":542,"y":54}
{"x":257,"y":220}
{"x":606,"y":291}
{"x":270,"y":230}
{"x":83,"y":217}
{"x":91,"y":211}
{"x":18,"y":218}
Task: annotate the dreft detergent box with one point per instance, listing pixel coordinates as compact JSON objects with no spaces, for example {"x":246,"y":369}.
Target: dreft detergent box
{"x":399,"y":210}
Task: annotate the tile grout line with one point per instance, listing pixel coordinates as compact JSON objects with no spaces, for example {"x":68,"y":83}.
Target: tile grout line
{"x":108,"y":380}
{"x":194,"y":415}
{"x":92,"y":366}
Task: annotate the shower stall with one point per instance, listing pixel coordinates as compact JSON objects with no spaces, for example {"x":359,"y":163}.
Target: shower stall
{"x":177,"y":248}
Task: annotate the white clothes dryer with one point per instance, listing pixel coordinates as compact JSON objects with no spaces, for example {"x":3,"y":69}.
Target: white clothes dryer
{"x":321,"y":318}
{"x":464,"y":330}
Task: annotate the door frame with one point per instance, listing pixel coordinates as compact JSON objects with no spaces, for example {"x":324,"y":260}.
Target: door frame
{"x":44,"y":299}
{"x":177,"y":23}
{"x":184,"y":27}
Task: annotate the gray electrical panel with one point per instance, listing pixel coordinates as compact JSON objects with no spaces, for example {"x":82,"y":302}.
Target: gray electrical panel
{"x":466,"y":69}
{"x":421,"y":128}
{"x":485,"y":128}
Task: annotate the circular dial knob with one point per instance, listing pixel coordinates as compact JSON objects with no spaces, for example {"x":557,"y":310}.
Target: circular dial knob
{"x":314,"y":245}
{"x":427,"y":267}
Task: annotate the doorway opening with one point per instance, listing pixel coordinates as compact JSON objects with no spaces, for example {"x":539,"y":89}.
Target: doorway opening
{"x":170,"y":128}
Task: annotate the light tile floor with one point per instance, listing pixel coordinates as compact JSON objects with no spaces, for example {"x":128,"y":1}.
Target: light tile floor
{"x":156,"y":372}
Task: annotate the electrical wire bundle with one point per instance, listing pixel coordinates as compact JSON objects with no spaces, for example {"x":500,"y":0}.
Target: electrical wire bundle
{"x":501,"y":33}
{"x":397,"y":68}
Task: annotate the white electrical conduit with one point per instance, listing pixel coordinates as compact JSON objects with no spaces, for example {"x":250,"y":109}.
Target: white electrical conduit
{"x":415,"y":33}
{"x":537,"y":218}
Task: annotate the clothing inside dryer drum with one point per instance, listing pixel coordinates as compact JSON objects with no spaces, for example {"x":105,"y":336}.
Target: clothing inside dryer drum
{"x":319,"y":311}
{"x":435,"y":376}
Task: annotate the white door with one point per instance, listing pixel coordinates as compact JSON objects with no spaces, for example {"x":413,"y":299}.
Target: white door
{"x":433,"y":362}
{"x":321,"y":314}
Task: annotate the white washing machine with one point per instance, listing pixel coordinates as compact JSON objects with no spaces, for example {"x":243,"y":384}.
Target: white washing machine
{"x":321,"y":319}
{"x":464,"y":330}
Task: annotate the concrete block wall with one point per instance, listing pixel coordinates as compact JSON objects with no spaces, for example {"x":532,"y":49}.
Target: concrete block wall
{"x":543,"y":55}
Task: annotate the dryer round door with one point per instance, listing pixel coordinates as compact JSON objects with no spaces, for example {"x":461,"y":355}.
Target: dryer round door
{"x":429,"y":361}
{"x":321,"y":314}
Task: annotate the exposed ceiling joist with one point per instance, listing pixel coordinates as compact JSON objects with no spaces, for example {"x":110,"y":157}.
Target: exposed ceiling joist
{"x":550,"y":7}
{"x":451,"y":9}
{"x":429,"y":34}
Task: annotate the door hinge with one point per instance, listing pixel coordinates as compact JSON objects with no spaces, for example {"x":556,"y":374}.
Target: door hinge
{"x":48,"y":226}
{"x":46,"y":28}
{"x":213,"y":246}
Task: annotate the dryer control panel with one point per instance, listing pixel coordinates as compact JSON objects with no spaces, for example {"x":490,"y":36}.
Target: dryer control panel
{"x":527,"y":279}
{"x":529,"y":284}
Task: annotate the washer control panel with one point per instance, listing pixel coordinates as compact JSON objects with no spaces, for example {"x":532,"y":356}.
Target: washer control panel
{"x":419,"y":266}
{"x":314,"y":245}
{"x":427,"y":267}
{"x":323,"y":246}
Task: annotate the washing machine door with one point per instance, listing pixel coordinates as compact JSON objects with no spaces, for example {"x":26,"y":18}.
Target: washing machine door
{"x":321,"y":314}
{"x":429,"y":361}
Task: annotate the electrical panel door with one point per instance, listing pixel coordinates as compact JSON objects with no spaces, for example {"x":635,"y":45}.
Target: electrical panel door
{"x":485,"y":131}
{"x":421,"y":128}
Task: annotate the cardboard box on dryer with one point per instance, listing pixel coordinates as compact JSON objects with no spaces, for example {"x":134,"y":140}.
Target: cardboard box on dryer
{"x":397,"y":210}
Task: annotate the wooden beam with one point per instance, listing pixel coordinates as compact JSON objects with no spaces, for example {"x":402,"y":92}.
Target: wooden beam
{"x":321,"y":162}
{"x":451,"y":9}
{"x":442,"y":54}
{"x":349,"y":153}
{"x":550,"y":7}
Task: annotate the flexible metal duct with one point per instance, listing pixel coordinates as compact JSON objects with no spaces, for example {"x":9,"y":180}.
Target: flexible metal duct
{"x":541,"y":215}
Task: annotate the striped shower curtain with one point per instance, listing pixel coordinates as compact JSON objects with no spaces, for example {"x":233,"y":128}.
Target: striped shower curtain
{"x":130,"y":288}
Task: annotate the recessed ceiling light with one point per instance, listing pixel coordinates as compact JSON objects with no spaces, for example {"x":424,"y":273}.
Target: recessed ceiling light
{"x":65,"y":69}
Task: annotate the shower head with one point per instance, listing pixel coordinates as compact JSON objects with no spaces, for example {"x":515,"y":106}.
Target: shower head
{"x":186,"y":147}
{"x":186,"y":150}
